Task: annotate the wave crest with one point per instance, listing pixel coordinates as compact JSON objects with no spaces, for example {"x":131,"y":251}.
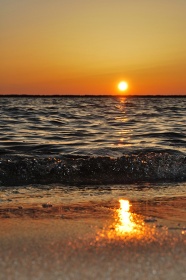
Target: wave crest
{"x":74,"y":170}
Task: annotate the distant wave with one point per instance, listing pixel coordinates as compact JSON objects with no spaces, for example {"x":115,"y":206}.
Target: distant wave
{"x":144,"y":166}
{"x":89,"y":126}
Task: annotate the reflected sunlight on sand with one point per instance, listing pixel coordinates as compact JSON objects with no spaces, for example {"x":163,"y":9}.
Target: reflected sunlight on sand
{"x":126,"y":225}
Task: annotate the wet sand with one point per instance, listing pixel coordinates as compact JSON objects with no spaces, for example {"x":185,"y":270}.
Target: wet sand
{"x":73,"y":249}
{"x":93,"y":239}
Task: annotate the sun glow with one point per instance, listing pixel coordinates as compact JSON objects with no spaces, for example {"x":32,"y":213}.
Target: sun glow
{"x":123,"y":86}
{"x":127,"y":224}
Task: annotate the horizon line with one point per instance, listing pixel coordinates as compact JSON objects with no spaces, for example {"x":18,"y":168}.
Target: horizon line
{"x":93,"y":95}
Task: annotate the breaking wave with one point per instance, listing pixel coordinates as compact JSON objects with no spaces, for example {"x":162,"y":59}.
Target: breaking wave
{"x":146,"y":166}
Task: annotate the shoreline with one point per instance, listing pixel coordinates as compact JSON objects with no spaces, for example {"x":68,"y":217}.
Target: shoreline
{"x":93,"y":238}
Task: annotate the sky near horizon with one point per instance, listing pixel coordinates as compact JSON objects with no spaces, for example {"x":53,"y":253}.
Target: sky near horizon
{"x":88,"y":46}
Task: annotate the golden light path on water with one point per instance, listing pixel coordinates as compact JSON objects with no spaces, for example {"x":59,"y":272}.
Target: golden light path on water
{"x":127,"y":225}
{"x":125,"y":222}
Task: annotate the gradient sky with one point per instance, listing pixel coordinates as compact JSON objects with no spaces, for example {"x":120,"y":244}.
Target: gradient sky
{"x":88,"y":46}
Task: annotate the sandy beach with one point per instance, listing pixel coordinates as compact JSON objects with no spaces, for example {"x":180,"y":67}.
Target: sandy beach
{"x":93,"y":239}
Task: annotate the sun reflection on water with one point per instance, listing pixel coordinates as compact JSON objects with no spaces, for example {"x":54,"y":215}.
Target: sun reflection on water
{"x":126,"y":224}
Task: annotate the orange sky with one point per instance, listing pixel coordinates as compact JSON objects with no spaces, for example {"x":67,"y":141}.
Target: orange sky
{"x":87,"y":47}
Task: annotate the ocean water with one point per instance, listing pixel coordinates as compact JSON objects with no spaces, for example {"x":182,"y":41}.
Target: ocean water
{"x":77,"y":141}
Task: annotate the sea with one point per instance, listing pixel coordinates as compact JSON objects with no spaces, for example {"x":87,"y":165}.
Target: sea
{"x":135,"y":144}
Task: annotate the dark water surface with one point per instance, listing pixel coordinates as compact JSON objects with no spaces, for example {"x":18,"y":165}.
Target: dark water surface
{"x":92,"y":140}
{"x":91,"y":126}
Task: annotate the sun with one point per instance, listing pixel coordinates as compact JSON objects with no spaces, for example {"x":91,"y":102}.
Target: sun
{"x":123,"y":86}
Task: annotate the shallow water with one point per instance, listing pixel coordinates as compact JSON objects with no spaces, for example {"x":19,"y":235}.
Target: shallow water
{"x":154,"y":201}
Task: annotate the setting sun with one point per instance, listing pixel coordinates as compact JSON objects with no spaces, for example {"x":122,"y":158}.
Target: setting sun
{"x":122,"y":86}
